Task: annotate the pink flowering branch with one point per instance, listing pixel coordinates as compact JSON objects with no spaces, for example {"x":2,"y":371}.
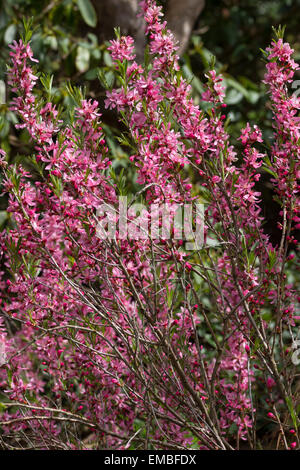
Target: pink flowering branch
{"x":112,"y":333}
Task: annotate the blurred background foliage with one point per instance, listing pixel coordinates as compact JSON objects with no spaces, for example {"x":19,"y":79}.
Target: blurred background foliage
{"x":235,"y":31}
{"x":68,"y":42}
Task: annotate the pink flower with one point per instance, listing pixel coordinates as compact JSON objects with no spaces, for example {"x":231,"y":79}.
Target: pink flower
{"x":122,"y":49}
{"x":270,"y":382}
{"x":3,"y":162}
{"x":138,"y":119}
{"x":216,"y":179}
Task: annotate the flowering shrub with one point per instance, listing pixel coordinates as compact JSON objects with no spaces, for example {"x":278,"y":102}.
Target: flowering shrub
{"x":134,"y":342}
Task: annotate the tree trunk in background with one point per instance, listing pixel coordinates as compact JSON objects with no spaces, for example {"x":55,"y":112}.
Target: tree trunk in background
{"x":181,"y":16}
{"x":122,"y":13}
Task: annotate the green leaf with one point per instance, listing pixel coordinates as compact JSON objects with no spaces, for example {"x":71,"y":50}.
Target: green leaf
{"x":3,"y":217}
{"x":2,"y":407}
{"x":28,"y":30}
{"x":9,"y":376}
{"x":47,"y":81}
{"x":106,"y":78}
{"x":233,"y":96}
{"x":268,"y":170}
{"x":88,"y":12}
{"x":279,"y":32}
{"x":82,"y":59}
{"x":250,"y":95}
{"x":10,"y":34}
{"x":91,"y":74}
{"x":290,"y":406}
{"x":272,"y":259}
